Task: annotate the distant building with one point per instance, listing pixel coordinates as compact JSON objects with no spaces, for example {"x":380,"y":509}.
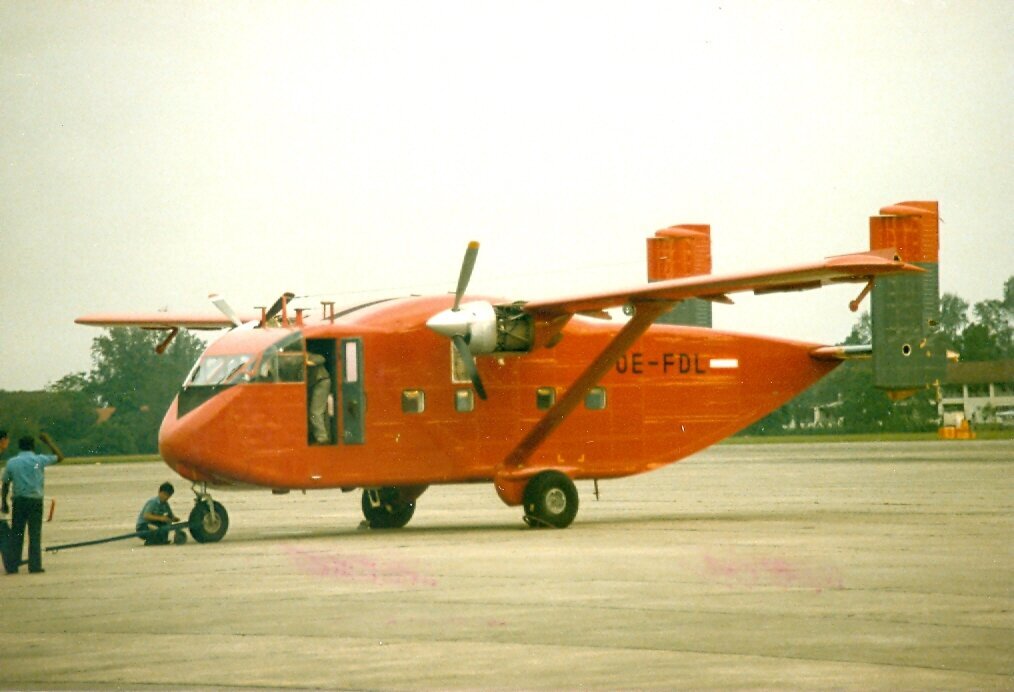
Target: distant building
{"x":981,"y":392}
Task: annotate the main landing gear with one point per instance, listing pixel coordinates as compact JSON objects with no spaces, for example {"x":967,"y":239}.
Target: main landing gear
{"x":387,"y":508}
{"x":208,"y":520}
{"x":550,"y":500}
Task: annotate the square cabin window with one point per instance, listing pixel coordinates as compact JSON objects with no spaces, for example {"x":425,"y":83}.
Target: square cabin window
{"x":413,"y":401}
{"x":545,"y":397}
{"x":595,"y":399}
{"x":464,"y":400}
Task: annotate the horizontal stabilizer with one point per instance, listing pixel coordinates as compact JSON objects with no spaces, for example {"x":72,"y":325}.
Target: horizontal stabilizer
{"x":857,"y":352}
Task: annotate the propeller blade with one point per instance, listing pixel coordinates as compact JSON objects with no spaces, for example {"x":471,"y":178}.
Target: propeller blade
{"x":473,"y":371}
{"x":277,"y":307}
{"x":226,"y":309}
{"x":467,"y":264}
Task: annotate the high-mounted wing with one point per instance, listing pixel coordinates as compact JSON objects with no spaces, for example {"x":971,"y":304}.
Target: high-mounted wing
{"x":158,"y":320}
{"x":855,"y":268}
{"x":170,"y":322}
{"x":650,"y":301}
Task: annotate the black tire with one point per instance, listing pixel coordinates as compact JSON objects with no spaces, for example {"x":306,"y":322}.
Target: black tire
{"x":205,"y":528}
{"x":550,"y":500}
{"x":393,"y":513}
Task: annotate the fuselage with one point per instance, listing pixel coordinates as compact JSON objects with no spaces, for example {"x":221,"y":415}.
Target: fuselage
{"x":400,"y":412}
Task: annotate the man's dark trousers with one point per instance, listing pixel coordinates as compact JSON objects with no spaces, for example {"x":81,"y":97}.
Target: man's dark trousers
{"x":26,"y":510}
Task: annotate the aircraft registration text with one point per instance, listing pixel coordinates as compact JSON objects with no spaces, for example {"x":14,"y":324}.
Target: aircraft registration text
{"x":638,"y":363}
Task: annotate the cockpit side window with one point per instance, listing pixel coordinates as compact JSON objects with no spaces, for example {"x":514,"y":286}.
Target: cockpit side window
{"x":284,"y":361}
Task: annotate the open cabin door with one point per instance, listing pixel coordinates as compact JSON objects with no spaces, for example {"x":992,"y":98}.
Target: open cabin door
{"x":353,"y":396}
{"x":335,"y":399}
{"x":321,"y":392}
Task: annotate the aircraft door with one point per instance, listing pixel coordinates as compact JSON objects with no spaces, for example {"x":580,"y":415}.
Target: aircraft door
{"x":353,"y":409}
{"x":320,"y":392}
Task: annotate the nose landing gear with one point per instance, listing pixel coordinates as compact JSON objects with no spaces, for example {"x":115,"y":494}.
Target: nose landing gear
{"x":208,"y":520}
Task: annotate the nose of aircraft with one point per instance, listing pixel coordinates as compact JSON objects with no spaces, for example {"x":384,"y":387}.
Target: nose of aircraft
{"x":171,"y":445}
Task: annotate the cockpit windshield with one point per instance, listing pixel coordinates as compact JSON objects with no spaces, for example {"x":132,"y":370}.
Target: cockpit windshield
{"x":213,"y":370}
{"x":282,"y":361}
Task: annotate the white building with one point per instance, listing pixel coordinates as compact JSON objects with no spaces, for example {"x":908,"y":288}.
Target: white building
{"x":977,"y":392}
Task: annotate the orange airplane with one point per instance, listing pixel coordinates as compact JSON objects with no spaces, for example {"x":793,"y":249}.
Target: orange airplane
{"x":397,"y":395}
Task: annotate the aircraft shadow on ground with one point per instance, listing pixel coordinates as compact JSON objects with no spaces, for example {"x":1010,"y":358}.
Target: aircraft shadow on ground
{"x":644,"y":521}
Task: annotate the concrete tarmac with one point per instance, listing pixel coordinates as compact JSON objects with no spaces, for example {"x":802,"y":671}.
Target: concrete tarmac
{"x":825,"y":566}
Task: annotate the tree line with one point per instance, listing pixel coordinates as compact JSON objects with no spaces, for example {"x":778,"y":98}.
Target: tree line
{"x":853,"y":405}
{"x":128,"y":382}
{"x":136,"y":385}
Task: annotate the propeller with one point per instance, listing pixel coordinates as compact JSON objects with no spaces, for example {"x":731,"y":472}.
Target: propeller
{"x":467,"y":265}
{"x":470,"y":327}
{"x":277,"y":307}
{"x":473,"y":371}
{"x":226,"y":309}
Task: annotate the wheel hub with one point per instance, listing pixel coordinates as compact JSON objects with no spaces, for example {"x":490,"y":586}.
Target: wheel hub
{"x":556,"y":501}
{"x":211,"y":523}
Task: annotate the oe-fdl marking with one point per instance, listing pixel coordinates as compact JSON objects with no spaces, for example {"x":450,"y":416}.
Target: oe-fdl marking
{"x":636,"y":363}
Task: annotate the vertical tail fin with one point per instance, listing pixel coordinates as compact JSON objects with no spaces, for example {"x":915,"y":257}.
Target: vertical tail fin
{"x":678,"y":251}
{"x":907,"y":354}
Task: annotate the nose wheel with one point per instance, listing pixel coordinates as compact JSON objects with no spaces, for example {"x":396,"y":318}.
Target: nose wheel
{"x":208,"y":520}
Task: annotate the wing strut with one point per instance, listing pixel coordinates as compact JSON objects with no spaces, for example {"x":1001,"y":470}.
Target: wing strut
{"x":645,"y":315}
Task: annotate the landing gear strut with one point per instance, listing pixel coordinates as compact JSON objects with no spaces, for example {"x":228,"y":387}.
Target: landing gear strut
{"x":550,"y":500}
{"x":385,"y":508}
{"x":208,"y":520}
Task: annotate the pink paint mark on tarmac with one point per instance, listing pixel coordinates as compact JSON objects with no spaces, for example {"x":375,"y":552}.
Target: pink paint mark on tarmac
{"x":754,"y":571}
{"x":358,"y":568}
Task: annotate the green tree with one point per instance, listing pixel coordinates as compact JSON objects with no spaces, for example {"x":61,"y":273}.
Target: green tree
{"x":990,"y":336}
{"x":862,"y":331}
{"x":130,"y":376}
{"x":953,"y":321}
{"x":67,"y":415}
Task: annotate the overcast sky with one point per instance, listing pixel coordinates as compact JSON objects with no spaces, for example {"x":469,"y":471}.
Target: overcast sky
{"x":151,"y":153}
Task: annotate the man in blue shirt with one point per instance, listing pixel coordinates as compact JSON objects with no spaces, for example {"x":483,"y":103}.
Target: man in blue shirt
{"x":26,"y":472}
{"x":156,"y":517}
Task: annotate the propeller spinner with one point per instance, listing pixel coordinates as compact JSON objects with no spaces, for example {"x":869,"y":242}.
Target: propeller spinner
{"x":471,"y":327}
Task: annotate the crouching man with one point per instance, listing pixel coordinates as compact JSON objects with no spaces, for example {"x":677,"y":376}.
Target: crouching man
{"x":156,"y":517}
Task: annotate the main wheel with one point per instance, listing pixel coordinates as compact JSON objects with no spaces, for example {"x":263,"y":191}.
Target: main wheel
{"x":206,"y":527}
{"x":393,"y":511}
{"x":550,"y":500}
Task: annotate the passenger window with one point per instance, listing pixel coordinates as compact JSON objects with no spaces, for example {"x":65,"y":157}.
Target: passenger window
{"x":595,"y":399}
{"x":545,"y":397}
{"x":413,"y":401}
{"x":464,"y":400}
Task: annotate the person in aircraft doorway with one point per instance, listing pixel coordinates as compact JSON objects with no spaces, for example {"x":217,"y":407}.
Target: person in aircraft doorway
{"x":156,"y":517}
{"x":318,"y":385}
